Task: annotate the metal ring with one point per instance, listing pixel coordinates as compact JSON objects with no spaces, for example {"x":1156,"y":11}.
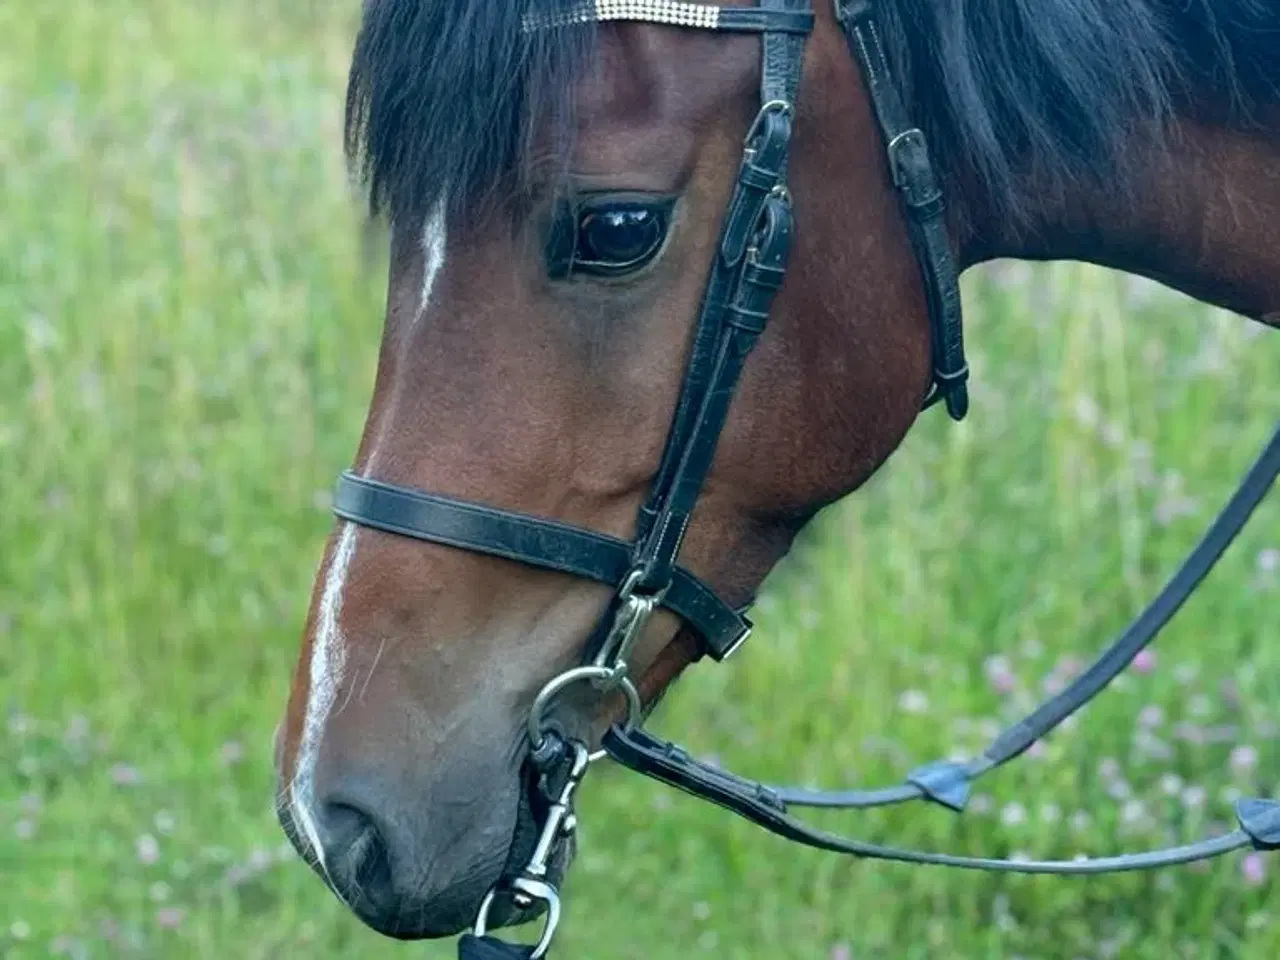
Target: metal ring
{"x":582,"y":675}
{"x":534,"y":890}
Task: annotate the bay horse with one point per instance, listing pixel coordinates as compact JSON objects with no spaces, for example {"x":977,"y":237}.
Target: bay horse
{"x":563,"y":375}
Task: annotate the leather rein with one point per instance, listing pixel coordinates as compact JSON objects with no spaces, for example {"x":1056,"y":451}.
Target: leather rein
{"x":747,"y":271}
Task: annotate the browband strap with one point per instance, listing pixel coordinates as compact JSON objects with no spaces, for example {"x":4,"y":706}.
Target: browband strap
{"x":675,"y":13}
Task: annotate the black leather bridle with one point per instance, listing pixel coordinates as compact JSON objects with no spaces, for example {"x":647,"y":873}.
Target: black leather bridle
{"x":748,"y":269}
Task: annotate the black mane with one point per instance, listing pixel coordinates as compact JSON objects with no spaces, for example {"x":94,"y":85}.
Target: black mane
{"x":450,"y":92}
{"x":444,"y":98}
{"x":1061,"y":88}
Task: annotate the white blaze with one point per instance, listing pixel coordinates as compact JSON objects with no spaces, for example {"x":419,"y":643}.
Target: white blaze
{"x":328,"y":646}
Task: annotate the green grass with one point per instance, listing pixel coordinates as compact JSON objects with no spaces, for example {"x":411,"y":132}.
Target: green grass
{"x":188,"y":327}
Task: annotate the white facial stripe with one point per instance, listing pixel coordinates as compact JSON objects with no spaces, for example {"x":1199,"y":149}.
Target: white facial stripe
{"x":328,"y":646}
{"x":328,"y":658}
{"x":434,"y":237}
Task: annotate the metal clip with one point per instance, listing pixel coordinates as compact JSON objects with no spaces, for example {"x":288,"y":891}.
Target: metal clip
{"x":531,"y":886}
{"x":628,"y":623}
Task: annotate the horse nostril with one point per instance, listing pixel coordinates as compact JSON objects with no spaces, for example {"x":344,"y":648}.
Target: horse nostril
{"x":356,"y":853}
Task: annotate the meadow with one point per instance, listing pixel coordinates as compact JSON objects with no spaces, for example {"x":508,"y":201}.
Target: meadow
{"x":189,"y":317}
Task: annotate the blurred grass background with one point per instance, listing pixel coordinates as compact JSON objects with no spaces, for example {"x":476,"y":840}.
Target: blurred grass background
{"x":188,"y":328}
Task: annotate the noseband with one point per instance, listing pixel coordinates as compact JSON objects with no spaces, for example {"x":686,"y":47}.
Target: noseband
{"x":747,"y":271}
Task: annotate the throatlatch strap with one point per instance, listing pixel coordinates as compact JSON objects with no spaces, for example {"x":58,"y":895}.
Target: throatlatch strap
{"x":913,"y":172}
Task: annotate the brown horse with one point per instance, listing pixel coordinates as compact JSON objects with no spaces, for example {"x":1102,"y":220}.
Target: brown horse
{"x":1142,"y":135}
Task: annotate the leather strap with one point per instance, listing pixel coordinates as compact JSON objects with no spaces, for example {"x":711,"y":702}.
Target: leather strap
{"x":795,"y":22}
{"x":471,"y":947}
{"x":1259,"y":819}
{"x":535,"y":541}
{"x":783,"y":64}
{"x":949,"y":783}
{"x":913,"y":174}
{"x":755,"y":242}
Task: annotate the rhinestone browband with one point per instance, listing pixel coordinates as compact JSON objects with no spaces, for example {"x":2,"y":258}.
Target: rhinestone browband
{"x":677,"y":13}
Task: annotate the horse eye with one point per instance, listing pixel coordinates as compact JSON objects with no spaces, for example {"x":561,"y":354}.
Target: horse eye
{"x":620,"y":238}
{"x":612,"y":238}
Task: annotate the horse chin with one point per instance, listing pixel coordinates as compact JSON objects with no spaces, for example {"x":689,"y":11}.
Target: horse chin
{"x":504,"y":913}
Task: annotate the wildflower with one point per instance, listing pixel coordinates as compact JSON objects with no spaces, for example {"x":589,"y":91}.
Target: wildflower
{"x":1145,"y":661}
{"x":1243,"y":760}
{"x":1133,"y":813}
{"x":170,"y":917}
{"x":77,"y":728}
{"x":1013,"y":814}
{"x":230,"y":753}
{"x":913,"y":701}
{"x":1253,"y":868}
{"x":1000,"y":674}
{"x":124,"y":775}
{"x":147,"y":848}
{"x":1193,"y":797}
{"x":1119,"y":789}
{"x":1151,"y":717}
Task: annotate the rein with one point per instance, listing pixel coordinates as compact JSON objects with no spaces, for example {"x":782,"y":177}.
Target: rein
{"x":744,"y":277}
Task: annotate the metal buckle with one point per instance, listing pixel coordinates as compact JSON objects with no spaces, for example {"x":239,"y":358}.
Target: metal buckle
{"x":737,"y":644}
{"x":896,"y":145}
{"x":781,"y":106}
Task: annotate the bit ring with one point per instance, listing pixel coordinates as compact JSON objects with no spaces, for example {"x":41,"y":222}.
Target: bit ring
{"x":588,"y":674}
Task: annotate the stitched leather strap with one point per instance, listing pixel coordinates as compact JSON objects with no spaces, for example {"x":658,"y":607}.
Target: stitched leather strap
{"x":1259,"y":819}
{"x":751,"y":262}
{"x":793,"y":22}
{"x":949,"y":783}
{"x":534,"y":541}
{"x":914,"y":176}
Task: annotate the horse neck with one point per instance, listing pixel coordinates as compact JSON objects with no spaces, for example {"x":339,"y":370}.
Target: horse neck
{"x":1201,"y":215}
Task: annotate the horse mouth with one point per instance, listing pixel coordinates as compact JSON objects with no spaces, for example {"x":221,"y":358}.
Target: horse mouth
{"x":504,"y":913}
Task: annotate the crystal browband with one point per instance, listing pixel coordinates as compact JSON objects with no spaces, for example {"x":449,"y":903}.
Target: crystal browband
{"x":673,"y":12}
